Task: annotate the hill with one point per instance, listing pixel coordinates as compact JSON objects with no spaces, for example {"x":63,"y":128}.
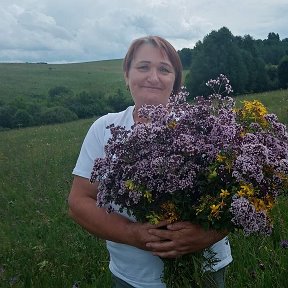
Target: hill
{"x":29,"y":80}
{"x":33,"y":94}
{"x":38,"y":94}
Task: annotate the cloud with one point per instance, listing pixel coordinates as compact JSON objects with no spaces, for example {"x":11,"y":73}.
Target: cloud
{"x":87,"y":30}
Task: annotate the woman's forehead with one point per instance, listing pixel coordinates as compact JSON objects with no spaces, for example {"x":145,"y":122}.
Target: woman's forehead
{"x":149,"y":53}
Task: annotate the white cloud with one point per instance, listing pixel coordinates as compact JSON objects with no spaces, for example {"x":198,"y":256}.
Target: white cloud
{"x":87,"y":30}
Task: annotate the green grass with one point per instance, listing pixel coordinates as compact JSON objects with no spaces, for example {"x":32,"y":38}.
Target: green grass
{"x":40,"y":246}
{"x":260,"y":262}
{"x":34,"y":80}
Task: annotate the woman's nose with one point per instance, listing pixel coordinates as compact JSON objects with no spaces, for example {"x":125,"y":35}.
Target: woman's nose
{"x":153,"y":75}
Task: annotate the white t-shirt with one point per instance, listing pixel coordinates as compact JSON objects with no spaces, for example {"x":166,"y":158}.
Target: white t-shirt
{"x":137,"y":267}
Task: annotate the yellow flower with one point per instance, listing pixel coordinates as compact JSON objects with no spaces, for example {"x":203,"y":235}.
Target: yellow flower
{"x":224,"y":193}
{"x":269,"y":202}
{"x":254,"y":107}
{"x":172,"y":124}
{"x":154,"y":218}
{"x":242,"y":133}
{"x":212,"y":174}
{"x":200,"y":208}
{"x":169,"y":212}
{"x":215,"y":210}
{"x":148,"y":196}
{"x":246,"y":190}
{"x":254,"y":110}
{"x":220,"y":158}
{"x":130,"y":185}
{"x":259,"y":204}
{"x":241,"y":193}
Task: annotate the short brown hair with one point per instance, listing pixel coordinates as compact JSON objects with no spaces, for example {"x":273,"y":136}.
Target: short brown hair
{"x":163,"y":45}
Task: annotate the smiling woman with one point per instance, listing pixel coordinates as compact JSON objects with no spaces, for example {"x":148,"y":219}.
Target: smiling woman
{"x":153,"y":71}
{"x":150,"y":78}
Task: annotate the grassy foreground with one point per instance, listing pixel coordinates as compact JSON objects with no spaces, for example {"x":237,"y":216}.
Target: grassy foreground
{"x":41,"y":247}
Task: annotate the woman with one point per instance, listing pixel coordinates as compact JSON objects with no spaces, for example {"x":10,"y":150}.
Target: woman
{"x":152,"y":70}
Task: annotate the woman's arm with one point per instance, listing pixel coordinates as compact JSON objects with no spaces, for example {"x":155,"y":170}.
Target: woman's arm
{"x":109,"y":226}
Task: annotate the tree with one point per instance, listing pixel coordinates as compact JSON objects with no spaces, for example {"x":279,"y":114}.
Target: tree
{"x":118,"y":101}
{"x":57,"y":114}
{"x":257,"y":78}
{"x":273,"y":37}
{"x":186,"y":57}
{"x":6,"y":116}
{"x":217,"y":54}
{"x":59,"y":95}
{"x":272,"y":49}
{"x":22,"y":118}
{"x":86,"y":105}
{"x":272,"y":73}
{"x":283,"y":72}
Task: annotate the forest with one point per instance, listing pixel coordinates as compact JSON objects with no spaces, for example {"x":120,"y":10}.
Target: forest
{"x":251,"y":65}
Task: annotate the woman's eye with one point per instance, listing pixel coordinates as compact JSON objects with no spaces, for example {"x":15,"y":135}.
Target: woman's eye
{"x":143,"y":68}
{"x":164,"y":70}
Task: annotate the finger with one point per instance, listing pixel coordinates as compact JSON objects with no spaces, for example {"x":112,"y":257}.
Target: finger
{"x":163,"y":223}
{"x":152,"y":238}
{"x":160,"y":246}
{"x":161,"y":233}
{"x":181,"y":225}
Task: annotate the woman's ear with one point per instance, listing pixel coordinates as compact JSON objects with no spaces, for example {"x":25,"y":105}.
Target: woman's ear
{"x":126,"y":78}
{"x":126,"y":81}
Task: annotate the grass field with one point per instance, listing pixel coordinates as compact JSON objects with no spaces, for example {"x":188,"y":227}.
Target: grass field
{"x":34,"y":80}
{"x":41,"y":247}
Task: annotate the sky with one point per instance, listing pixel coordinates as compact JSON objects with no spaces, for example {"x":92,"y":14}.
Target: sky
{"x":72,"y":31}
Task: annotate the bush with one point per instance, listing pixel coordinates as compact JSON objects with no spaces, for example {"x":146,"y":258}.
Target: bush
{"x":57,"y":114}
{"x":119,"y":101}
{"x":86,"y":105}
{"x":22,"y":118}
{"x":6,"y":116}
{"x":283,"y":72}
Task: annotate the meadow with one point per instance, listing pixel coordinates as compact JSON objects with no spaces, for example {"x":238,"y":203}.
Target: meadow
{"x":41,"y":247}
{"x":33,"y":80}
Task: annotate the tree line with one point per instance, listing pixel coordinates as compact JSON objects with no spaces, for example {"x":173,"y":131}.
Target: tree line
{"x":251,"y":65}
{"x":59,"y":106}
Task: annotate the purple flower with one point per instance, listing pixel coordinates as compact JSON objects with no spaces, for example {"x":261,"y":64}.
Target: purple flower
{"x":245,"y":216}
{"x":284,"y":244}
{"x":187,"y":153}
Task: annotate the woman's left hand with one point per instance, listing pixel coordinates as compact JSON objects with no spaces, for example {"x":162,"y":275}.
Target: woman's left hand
{"x":182,"y":238}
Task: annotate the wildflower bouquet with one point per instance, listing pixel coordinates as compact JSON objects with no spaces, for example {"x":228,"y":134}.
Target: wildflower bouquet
{"x":208,"y":162}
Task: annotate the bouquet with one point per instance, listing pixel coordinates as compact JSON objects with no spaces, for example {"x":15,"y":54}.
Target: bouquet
{"x":206,"y":162}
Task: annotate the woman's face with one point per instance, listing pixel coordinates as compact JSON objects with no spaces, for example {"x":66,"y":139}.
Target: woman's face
{"x":151,"y":76}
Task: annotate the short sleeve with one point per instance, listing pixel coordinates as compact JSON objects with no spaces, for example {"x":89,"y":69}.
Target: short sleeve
{"x":92,"y":148}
